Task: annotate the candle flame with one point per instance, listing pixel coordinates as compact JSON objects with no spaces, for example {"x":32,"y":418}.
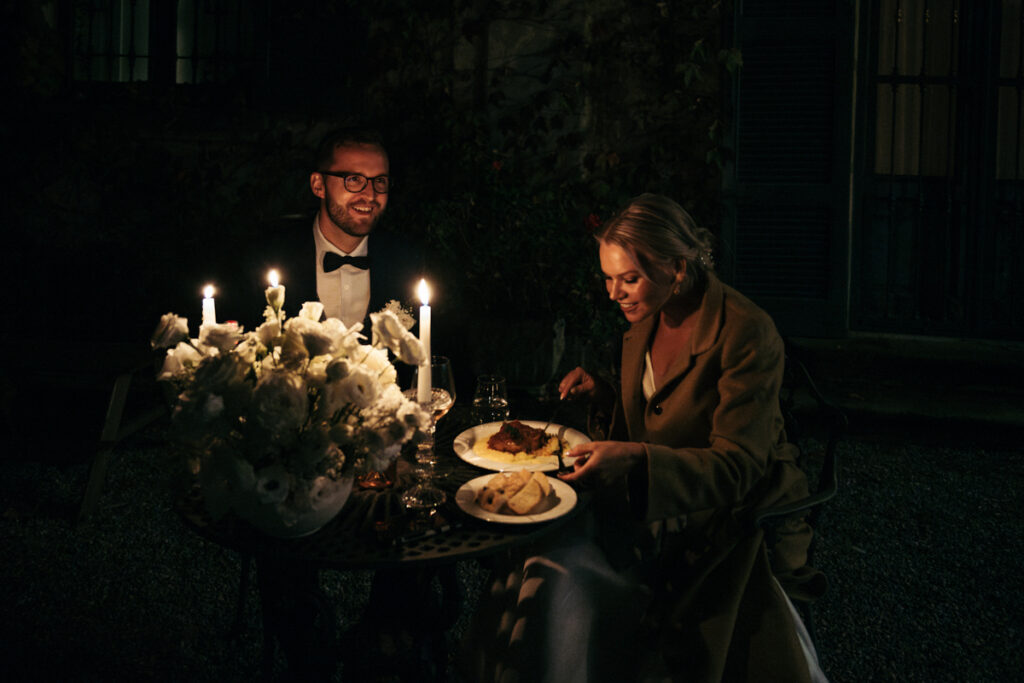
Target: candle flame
{"x":208,"y":291}
{"x":423,"y":291}
{"x":272,"y":277}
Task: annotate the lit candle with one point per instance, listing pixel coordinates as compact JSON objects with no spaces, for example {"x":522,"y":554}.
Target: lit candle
{"x":424,"y":379}
{"x":209,"y":311}
{"x":275,"y":292}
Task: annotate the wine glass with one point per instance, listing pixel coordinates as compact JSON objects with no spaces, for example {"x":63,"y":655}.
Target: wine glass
{"x":490,"y":400}
{"x":424,"y":494}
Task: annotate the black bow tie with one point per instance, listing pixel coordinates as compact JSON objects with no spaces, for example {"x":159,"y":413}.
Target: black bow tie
{"x":334,"y":261}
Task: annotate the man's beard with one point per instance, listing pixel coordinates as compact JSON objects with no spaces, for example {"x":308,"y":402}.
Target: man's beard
{"x":340,"y":216}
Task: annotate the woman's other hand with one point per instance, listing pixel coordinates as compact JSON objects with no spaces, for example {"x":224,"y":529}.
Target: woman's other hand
{"x":599,"y":463}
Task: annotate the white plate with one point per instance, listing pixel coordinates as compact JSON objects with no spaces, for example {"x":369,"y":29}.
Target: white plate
{"x":463,"y":446}
{"x":561,"y":500}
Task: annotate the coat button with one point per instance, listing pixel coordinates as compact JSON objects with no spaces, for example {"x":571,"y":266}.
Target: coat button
{"x":657,"y":409}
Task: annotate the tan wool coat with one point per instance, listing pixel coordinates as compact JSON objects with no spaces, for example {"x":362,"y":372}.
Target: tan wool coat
{"x":716,"y":450}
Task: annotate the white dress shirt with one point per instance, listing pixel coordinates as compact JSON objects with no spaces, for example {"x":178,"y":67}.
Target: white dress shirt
{"x":345,"y":292}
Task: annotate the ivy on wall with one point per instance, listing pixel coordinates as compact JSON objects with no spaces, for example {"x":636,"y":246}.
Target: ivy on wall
{"x":514,"y":127}
{"x":544,"y":117}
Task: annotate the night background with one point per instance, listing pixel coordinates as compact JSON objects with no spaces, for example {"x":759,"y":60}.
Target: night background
{"x":861,"y":163}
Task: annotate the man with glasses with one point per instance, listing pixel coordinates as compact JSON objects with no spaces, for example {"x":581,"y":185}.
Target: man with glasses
{"x":358,"y":269}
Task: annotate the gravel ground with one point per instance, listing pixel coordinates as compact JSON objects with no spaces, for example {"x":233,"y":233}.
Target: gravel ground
{"x":922,"y":549}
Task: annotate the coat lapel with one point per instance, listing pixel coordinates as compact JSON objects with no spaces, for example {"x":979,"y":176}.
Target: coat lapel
{"x":636,"y":341}
{"x":634,"y":345}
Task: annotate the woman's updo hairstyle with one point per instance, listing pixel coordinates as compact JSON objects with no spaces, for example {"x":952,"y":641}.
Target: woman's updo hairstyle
{"x":656,"y":232}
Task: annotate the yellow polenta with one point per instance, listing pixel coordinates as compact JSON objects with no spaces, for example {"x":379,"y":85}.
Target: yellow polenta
{"x":543,"y":455}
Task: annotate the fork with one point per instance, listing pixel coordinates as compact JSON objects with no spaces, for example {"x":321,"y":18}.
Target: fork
{"x":552,"y":418}
{"x":562,"y":467}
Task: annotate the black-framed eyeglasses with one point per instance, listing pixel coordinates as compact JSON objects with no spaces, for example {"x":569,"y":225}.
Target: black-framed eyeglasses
{"x":355,"y":182}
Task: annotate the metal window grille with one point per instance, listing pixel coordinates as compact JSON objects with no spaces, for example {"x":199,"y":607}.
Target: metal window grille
{"x":1009,"y":159}
{"x":918,"y":84}
{"x":187,"y":41}
{"x":941,"y":232}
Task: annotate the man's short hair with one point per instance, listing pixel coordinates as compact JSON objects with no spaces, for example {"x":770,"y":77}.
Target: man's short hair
{"x":342,"y":137}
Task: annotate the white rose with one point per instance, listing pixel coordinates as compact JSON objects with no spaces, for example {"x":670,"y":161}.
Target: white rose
{"x":169,"y":331}
{"x":311,"y":310}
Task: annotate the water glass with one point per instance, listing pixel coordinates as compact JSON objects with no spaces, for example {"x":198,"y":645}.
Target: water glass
{"x":490,"y":399}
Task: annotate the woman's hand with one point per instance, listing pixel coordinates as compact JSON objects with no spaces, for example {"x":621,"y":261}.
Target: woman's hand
{"x":578,"y":384}
{"x":599,"y":463}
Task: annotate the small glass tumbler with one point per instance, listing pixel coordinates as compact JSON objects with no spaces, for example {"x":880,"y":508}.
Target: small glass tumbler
{"x":490,"y":399}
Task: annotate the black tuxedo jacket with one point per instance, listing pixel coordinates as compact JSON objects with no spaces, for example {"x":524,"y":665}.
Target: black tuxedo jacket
{"x":396,"y":267}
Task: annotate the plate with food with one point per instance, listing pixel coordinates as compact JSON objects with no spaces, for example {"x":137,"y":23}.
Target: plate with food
{"x":519,"y":497}
{"x":517,"y":445}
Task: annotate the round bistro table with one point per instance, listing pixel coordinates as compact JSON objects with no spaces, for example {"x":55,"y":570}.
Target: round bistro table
{"x":373,"y":531}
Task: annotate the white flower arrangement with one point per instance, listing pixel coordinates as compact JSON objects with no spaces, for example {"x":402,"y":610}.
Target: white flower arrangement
{"x":290,"y":410}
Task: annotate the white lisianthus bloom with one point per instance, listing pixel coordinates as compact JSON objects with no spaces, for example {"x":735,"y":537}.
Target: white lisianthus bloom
{"x":410,"y":350}
{"x":251,"y":349}
{"x":335,"y":328}
{"x":169,"y":331}
{"x":316,"y":371}
{"x":403,"y":314}
{"x":386,"y":330}
{"x":375,"y":361}
{"x":311,"y":310}
{"x":317,"y":340}
{"x":222,"y":336}
{"x":293,"y":351}
{"x":342,"y":434}
{"x":268,"y":332}
{"x":394,"y":432}
{"x":360,"y":388}
{"x":337,"y":368}
{"x":412,"y":415}
{"x":346,"y":339}
{"x":180,"y":361}
{"x":273,"y":484}
{"x":220,"y":374}
{"x":275,"y":297}
{"x":280,"y":401}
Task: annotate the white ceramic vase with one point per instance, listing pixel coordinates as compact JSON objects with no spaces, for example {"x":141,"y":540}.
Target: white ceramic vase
{"x":229,"y":484}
